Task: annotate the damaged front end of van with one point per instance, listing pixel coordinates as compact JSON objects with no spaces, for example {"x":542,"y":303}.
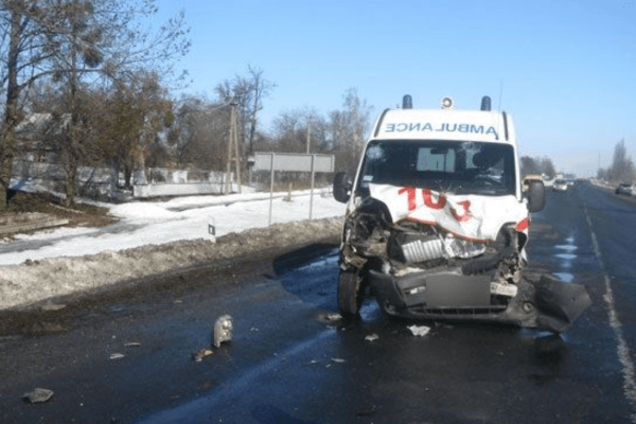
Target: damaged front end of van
{"x":420,"y":270}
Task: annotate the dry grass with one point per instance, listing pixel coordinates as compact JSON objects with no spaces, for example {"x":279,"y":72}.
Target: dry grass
{"x":21,"y":203}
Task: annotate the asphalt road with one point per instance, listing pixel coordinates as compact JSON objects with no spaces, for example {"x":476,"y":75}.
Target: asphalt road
{"x":290,"y":363}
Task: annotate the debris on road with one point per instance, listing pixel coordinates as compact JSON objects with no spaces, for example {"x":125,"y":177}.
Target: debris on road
{"x":333,"y":317}
{"x":222,"y":331}
{"x":201,"y":354}
{"x":372,"y":337}
{"x":52,"y":307}
{"x":38,"y":395}
{"x":419,"y":330}
{"x":329,"y":318}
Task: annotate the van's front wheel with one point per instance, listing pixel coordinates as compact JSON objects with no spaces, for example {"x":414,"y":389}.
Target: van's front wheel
{"x":350,"y":292}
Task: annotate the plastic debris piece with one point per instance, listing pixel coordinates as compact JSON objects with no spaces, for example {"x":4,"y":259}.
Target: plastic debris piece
{"x":38,"y":395}
{"x":338,"y":360}
{"x":201,"y":354}
{"x":114,"y":356}
{"x":132,"y":344}
{"x":419,"y":330}
{"x":372,"y":337}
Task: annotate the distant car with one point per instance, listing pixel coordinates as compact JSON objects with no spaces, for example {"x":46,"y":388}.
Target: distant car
{"x":624,"y":188}
{"x":560,"y":185}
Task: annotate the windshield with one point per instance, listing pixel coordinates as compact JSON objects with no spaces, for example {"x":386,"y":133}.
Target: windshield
{"x":458,"y":167}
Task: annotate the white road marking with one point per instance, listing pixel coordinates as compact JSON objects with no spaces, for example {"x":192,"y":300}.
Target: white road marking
{"x":622,"y":350}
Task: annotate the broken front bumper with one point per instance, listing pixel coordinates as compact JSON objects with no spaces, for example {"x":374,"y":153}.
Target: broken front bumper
{"x":542,"y":302}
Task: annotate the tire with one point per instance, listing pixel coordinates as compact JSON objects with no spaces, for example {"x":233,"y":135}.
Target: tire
{"x":350,"y":293}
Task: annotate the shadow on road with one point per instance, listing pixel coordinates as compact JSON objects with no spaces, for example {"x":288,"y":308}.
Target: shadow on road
{"x":311,"y":274}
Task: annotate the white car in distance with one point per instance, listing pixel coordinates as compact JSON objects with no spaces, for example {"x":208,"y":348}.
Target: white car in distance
{"x":560,"y":185}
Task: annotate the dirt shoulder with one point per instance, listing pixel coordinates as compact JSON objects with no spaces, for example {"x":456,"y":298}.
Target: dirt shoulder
{"x":44,"y":284}
{"x":27,"y":212}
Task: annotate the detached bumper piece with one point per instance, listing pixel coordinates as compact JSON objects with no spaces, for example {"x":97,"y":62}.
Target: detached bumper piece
{"x":544,"y":303}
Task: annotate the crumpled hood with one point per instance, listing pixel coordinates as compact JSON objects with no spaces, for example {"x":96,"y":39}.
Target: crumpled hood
{"x":469,"y":216}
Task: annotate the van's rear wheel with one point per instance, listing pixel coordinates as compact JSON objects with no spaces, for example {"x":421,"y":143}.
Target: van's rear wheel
{"x":350,"y":292}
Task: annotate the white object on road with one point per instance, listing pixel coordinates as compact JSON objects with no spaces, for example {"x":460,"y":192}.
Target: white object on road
{"x":222,"y":331}
{"x":38,"y":395}
{"x":420,"y":330}
{"x":372,"y":337}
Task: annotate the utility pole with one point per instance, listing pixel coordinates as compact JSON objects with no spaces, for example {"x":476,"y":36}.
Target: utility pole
{"x":233,"y":148}
{"x":308,"y":134}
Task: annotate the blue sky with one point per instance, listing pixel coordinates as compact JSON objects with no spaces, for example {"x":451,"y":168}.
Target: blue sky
{"x":565,"y":70}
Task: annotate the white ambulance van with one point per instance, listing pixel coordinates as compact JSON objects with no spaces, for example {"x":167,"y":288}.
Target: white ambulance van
{"x":437,"y":217}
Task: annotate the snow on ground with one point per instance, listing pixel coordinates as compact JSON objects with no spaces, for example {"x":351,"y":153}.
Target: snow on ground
{"x":155,"y":237}
{"x":187,"y":218}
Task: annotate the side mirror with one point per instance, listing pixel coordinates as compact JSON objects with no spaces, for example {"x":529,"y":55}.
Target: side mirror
{"x":342,"y":186}
{"x":535,"y":193}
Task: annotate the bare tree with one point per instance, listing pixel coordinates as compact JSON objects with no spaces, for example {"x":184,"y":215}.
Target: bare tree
{"x":622,"y":168}
{"x":248,"y":92}
{"x":118,"y":124}
{"x":131,"y":124}
{"x":259,"y":88}
{"x":529,"y":166}
{"x":83,"y":40}
{"x":547,"y":167}
{"x":199,"y":134}
{"x":79,"y":43}
{"x":348,"y":129}
{"x":300,"y":131}
{"x":19,"y":54}
{"x":537,"y":166}
{"x":73,"y":41}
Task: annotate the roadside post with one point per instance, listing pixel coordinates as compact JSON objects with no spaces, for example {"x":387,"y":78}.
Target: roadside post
{"x":212,"y":229}
{"x":292,"y":162}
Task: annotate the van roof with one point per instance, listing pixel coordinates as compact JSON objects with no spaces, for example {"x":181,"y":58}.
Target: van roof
{"x":444,"y":124}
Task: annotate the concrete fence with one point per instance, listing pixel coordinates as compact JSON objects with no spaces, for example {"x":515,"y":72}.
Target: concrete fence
{"x":106,"y":183}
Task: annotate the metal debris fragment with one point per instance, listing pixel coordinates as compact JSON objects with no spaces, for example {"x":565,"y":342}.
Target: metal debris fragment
{"x":38,"y":395}
{"x":222,"y":331}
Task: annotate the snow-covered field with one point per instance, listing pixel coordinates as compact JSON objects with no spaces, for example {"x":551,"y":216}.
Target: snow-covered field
{"x":154,"y":237}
